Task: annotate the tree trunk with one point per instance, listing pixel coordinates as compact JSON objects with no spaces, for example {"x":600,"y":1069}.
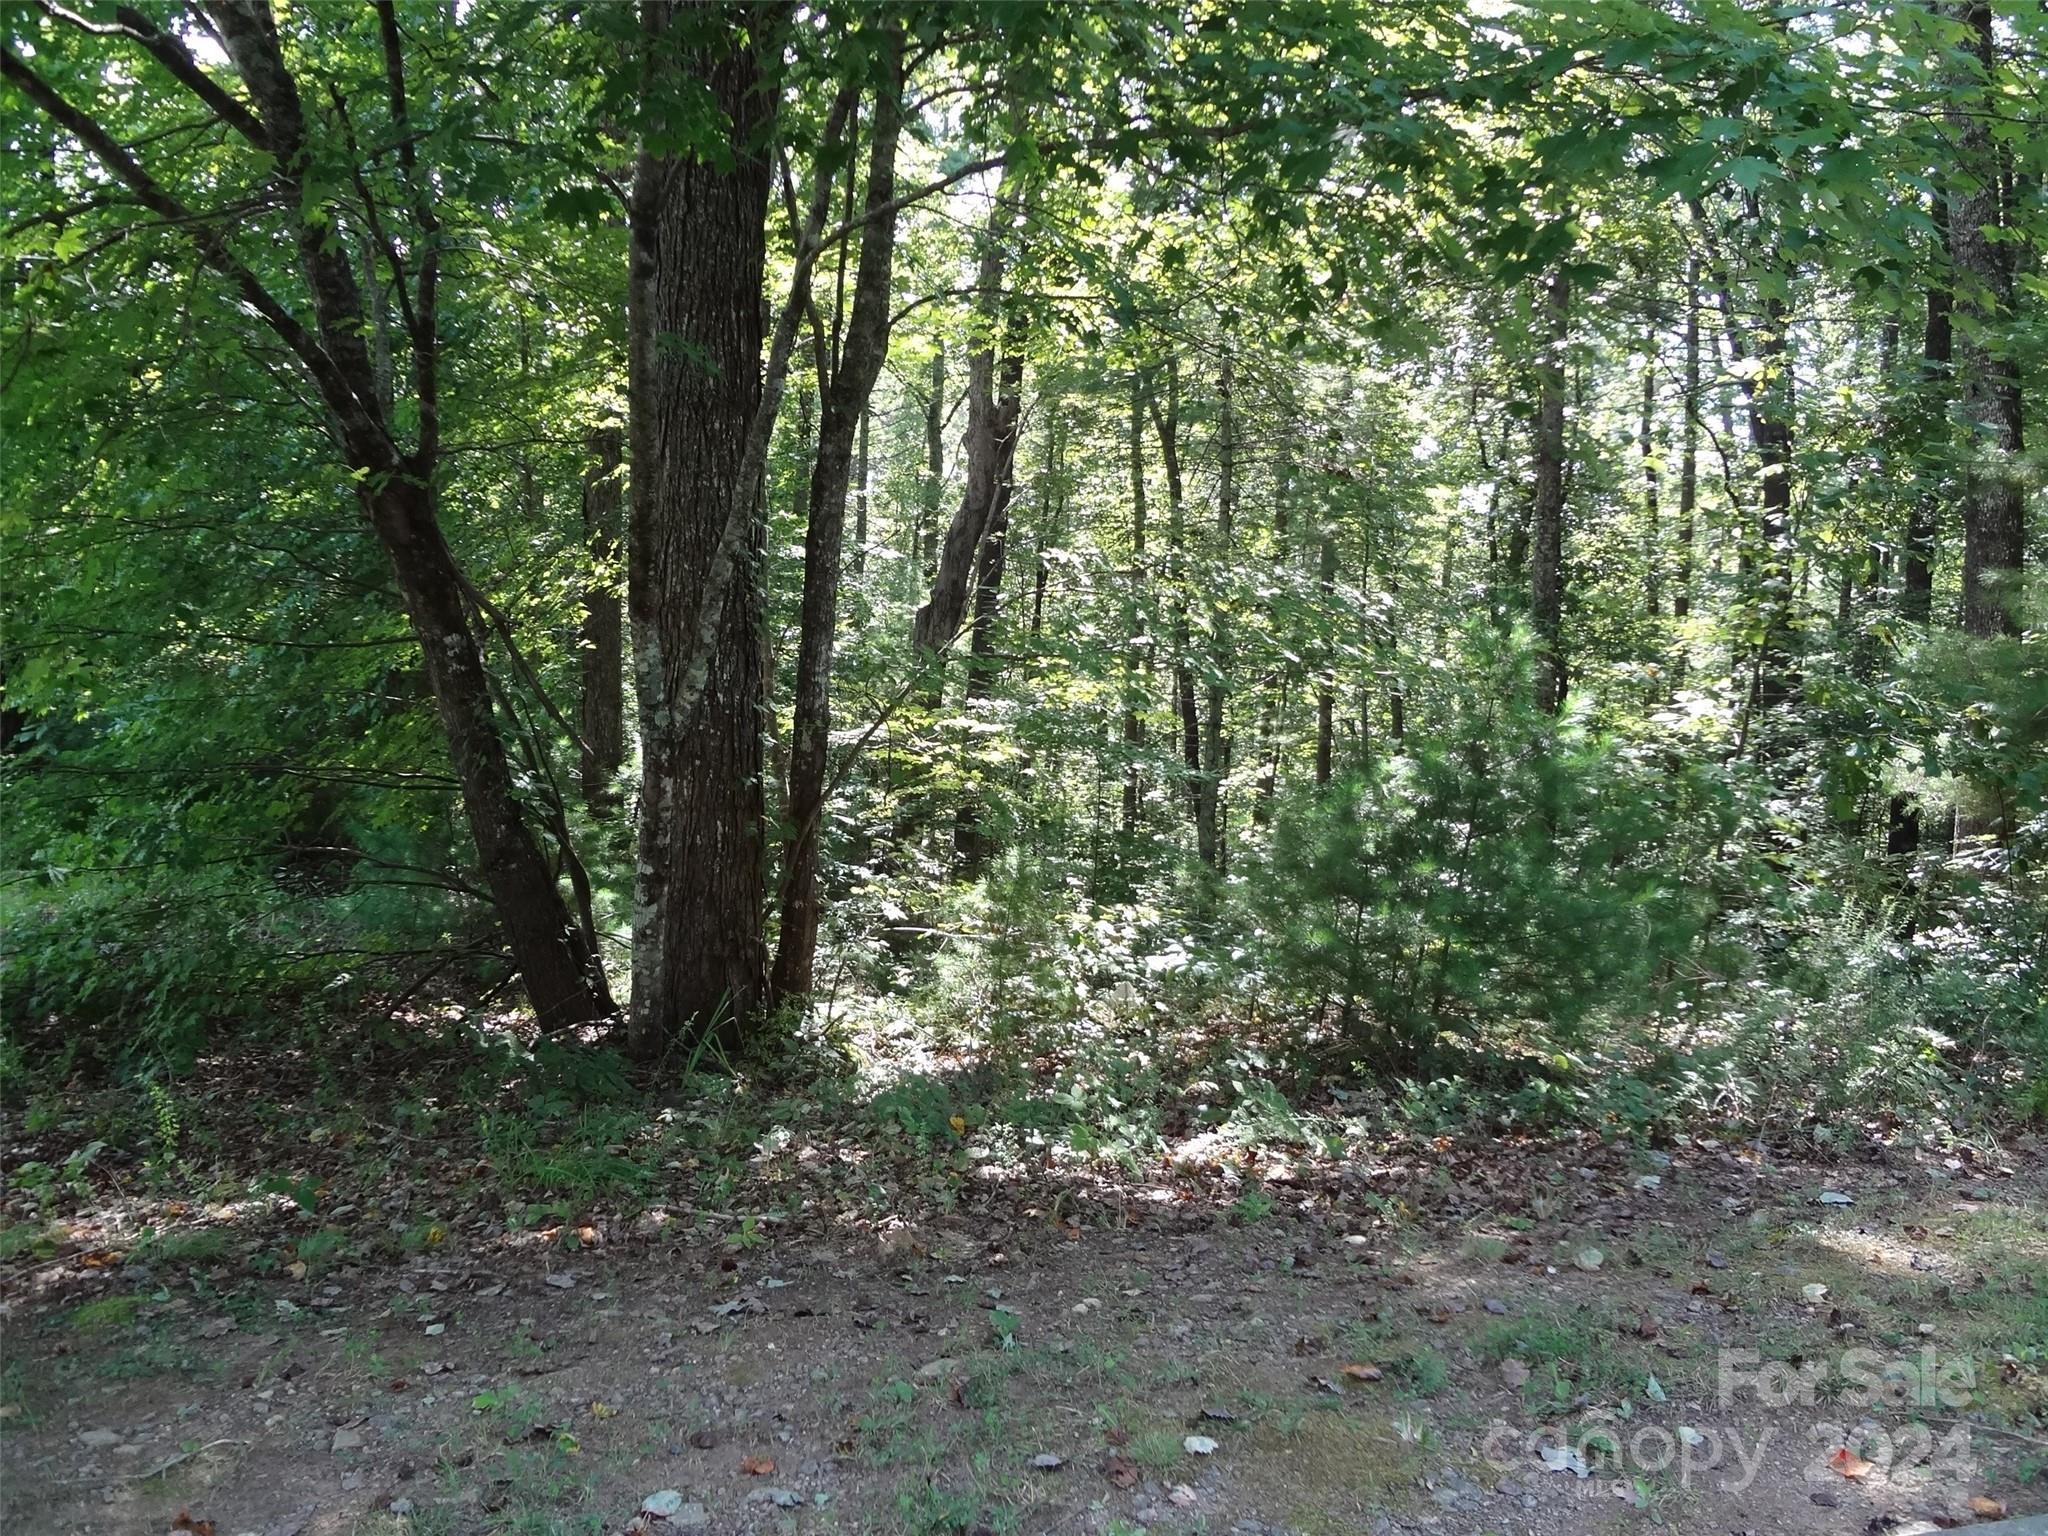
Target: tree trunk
{"x":1937,"y":354}
{"x":925,"y":544}
{"x":1215,"y":743}
{"x":991,"y":434}
{"x":860,"y":500}
{"x":601,"y":699}
{"x":1688,"y":458}
{"x":844,"y":414}
{"x":355,"y":384}
{"x":1546,"y":552}
{"x":562,"y":978}
{"x":970,"y":844}
{"x":696,"y":325}
{"x":1646,"y":442}
{"x":1994,"y":503}
{"x":1166,"y":424}
{"x":1136,"y":653}
{"x":1326,"y":682}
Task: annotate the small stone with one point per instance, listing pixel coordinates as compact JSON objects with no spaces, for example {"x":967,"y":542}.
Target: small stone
{"x":1496,"y":1306}
{"x":400,"y":1506}
{"x":346,"y":1440}
{"x":99,"y":1439}
{"x":661,"y":1505}
{"x":1045,"y":1461}
{"x":561,"y":1281}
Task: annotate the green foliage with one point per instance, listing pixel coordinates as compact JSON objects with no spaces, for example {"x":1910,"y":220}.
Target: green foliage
{"x":1443,"y":898}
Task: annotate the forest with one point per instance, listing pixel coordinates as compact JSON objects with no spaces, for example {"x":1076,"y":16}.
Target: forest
{"x":1002,"y":712}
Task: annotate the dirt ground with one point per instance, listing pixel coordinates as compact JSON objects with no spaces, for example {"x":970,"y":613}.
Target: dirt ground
{"x":1720,"y":1341}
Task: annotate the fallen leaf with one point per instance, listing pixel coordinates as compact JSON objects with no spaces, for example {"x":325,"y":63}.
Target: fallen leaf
{"x":1199,"y":1445}
{"x":661,"y":1505}
{"x":1045,"y":1461}
{"x":1181,"y":1494}
{"x":1122,"y":1471}
{"x":1850,"y":1465}
{"x":1814,"y":1294}
{"x":185,"y":1522}
{"x":757,"y":1466}
{"x":1984,"y":1508}
{"x":1562,"y":1458}
{"x":1589,"y":1259}
{"x":1361,"y":1372}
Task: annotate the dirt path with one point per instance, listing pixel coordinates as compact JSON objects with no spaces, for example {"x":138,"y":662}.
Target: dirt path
{"x":1403,"y":1349}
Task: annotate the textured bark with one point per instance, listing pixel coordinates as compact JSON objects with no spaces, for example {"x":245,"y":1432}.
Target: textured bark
{"x":397,"y":485}
{"x":842,"y":419}
{"x":860,"y":500}
{"x":696,"y":330}
{"x":1994,"y":502}
{"x":601,"y":701}
{"x":1546,"y":530}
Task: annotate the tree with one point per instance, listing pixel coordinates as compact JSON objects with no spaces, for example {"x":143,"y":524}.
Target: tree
{"x":282,"y":159}
{"x":847,"y":377}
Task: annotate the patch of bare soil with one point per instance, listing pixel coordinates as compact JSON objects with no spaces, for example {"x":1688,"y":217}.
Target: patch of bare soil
{"x":1543,"y":1340}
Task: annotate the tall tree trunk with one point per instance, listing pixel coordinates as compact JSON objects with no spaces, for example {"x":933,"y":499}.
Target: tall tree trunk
{"x":1994,"y":503}
{"x":991,"y":434}
{"x":1326,"y":680}
{"x":1688,"y":458}
{"x":1771,"y":409}
{"x":925,"y":545}
{"x":1137,"y":653}
{"x":1215,"y":743}
{"x":698,"y":262}
{"x":845,"y":397}
{"x":1546,"y":551}
{"x":1937,"y":355}
{"x":860,"y":498}
{"x":1646,"y":443}
{"x":561,"y":975}
{"x":601,"y":698}
{"x":1166,"y":424}
{"x":970,"y":844}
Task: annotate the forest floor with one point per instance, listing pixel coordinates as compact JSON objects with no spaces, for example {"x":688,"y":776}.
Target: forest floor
{"x":1456,"y":1334}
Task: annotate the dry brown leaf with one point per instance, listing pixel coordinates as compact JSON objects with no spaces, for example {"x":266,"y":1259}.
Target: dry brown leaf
{"x":1850,"y":1465}
{"x":1360,"y":1372}
{"x":757,"y":1466}
{"x":1122,"y":1471}
{"x":185,"y":1522}
{"x":1986,"y":1508}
